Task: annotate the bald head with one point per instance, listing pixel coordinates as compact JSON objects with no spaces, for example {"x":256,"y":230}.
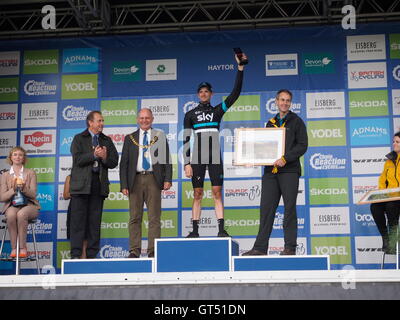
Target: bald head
{"x":145,"y":119}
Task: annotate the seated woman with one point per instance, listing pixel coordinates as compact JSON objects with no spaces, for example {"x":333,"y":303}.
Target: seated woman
{"x":390,"y":178}
{"x":18,"y":215}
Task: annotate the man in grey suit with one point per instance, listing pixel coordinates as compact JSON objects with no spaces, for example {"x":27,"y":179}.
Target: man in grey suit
{"x":145,"y":170}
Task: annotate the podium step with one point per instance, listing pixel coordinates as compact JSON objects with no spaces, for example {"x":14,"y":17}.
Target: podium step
{"x":84,"y":266}
{"x":280,"y":263}
{"x":194,"y":254}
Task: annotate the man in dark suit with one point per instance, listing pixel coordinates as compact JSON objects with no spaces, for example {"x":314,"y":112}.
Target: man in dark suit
{"x":145,"y":170}
{"x":93,"y":153}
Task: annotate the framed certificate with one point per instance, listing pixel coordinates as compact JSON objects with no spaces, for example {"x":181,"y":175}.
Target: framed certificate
{"x":381,"y":195}
{"x":258,"y":146}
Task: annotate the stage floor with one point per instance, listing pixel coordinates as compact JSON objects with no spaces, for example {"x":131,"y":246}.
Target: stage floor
{"x":239,"y":285}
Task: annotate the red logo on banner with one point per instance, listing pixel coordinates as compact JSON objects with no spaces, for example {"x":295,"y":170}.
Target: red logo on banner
{"x":117,"y":137}
{"x":37,"y":139}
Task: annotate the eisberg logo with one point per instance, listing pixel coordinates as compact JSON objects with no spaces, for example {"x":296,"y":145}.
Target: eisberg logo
{"x":37,"y":139}
{"x":327,"y":162}
{"x":39,"y":88}
{"x":72,"y":113}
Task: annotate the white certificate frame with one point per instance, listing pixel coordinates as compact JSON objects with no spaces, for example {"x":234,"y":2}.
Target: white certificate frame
{"x":258,"y":146}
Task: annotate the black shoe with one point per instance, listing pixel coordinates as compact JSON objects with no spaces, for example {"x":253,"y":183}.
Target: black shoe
{"x":150,"y":255}
{"x":193,"y":235}
{"x":288,"y":252}
{"x":254,"y":252}
{"x":133,"y":255}
{"x":223,"y":233}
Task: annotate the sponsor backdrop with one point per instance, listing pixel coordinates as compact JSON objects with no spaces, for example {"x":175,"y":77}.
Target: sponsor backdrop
{"x":346,"y":86}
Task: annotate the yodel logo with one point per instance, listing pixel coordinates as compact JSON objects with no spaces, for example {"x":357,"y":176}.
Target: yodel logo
{"x":38,"y":138}
{"x":331,"y":250}
{"x":326,"y":133}
{"x":80,"y":86}
{"x":72,"y":113}
{"x":320,"y":161}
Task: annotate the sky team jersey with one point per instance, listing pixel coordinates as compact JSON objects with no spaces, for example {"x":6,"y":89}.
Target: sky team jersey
{"x":204,"y":121}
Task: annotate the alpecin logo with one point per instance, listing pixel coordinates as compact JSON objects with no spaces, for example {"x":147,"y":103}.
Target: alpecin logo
{"x":38,"y":138}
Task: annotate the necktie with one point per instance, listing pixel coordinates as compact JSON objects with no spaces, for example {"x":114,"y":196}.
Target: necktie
{"x":95,"y":141}
{"x":146,"y":164}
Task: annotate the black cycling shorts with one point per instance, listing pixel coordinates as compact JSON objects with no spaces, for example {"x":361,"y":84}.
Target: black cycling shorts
{"x":215,"y":171}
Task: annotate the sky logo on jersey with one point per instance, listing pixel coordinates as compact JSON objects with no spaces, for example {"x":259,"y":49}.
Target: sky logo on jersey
{"x":367,"y":132}
{"x":80,"y":60}
{"x":124,"y":71}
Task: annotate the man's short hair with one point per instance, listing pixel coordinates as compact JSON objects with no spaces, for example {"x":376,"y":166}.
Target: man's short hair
{"x":284,"y":91}
{"x":204,"y":85}
{"x":90,"y":117}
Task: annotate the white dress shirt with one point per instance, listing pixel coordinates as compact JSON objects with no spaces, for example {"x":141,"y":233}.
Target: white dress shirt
{"x":139,"y":167}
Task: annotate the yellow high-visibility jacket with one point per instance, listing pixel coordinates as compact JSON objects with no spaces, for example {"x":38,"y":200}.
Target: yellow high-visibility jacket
{"x":390,"y":177}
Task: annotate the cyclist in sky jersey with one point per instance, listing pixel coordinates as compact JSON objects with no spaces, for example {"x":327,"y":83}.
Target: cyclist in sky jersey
{"x":204,"y":122}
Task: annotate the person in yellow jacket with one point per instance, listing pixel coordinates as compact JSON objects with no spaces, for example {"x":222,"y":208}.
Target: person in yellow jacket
{"x":390,"y":178}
